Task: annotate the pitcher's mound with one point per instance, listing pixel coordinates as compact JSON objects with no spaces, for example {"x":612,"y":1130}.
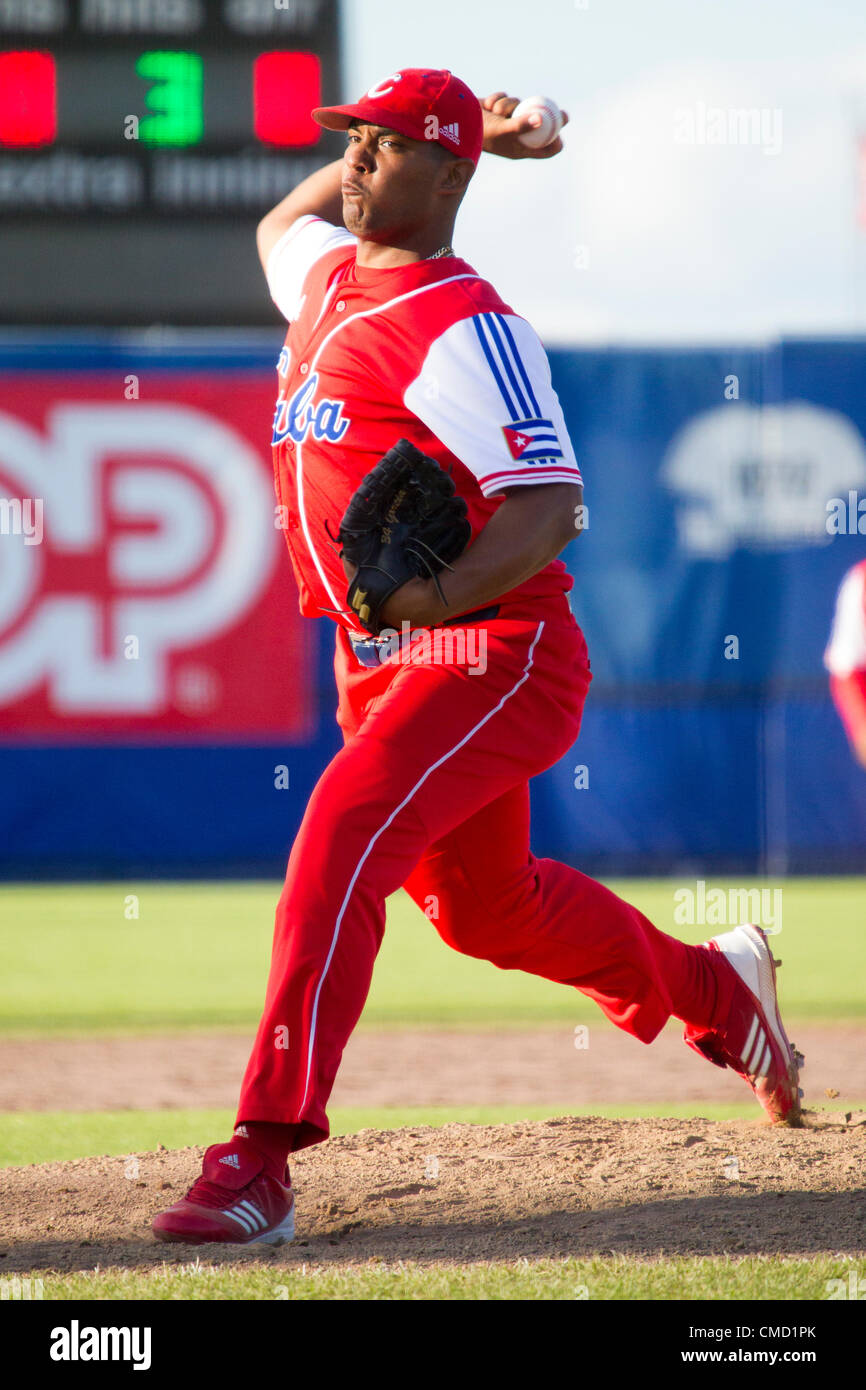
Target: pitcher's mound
{"x":577,"y":1186}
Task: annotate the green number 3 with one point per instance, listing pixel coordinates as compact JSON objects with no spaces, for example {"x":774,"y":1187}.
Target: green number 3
{"x":174,"y":99}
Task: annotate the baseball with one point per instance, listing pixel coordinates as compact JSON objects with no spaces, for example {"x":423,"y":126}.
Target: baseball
{"x":551,"y":121}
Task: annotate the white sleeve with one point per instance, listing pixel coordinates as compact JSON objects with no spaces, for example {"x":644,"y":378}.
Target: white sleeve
{"x":846,"y":651}
{"x":292,"y":257}
{"x":485,"y":390}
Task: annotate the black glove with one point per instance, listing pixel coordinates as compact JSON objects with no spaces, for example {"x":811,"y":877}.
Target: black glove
{"x":404,"y":521}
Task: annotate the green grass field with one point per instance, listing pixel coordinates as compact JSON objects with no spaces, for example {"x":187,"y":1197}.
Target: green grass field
{"x":617,"y":1277}
{"x":197,"y":954}
{"x":78,"y":961}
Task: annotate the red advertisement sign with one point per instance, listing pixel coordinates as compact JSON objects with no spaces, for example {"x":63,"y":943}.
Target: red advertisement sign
{"x":145,"y":587}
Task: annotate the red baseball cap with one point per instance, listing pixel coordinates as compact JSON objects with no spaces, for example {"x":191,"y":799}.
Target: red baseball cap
{"x":421,"y":103}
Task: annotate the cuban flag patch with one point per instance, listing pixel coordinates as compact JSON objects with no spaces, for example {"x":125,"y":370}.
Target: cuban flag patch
{"x":532,"y":439}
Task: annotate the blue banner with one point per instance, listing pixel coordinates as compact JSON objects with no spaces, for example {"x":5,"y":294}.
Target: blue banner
{"x":724,"y":490}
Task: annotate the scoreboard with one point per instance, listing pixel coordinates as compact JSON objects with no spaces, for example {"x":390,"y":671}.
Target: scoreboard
{"x":141,"y":141}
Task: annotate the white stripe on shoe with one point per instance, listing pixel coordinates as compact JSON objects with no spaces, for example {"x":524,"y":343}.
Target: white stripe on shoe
{"x":253,"y":1223}
{"x":750,"y":1059}
{"x":256,"y":1216}
{"x":381,"y":831}
{"x":242,"y":1219}
{"x":751,"y":1038}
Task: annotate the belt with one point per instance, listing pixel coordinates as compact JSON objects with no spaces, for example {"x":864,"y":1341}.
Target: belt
{"x":372,"y":651}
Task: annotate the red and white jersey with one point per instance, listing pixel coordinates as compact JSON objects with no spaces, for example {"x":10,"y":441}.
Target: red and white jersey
{"x":846,"y":650}
{"x":426,"y":352}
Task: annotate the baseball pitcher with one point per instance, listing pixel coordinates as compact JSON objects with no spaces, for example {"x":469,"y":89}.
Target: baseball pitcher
{"x":427,"y":485}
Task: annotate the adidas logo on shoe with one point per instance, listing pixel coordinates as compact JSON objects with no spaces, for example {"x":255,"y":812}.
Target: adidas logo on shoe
{"x":231,"y":1160}
{"x":450,"y":132}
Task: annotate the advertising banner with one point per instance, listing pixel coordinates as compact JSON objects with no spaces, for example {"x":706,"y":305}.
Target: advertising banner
{"x":145,"y":591}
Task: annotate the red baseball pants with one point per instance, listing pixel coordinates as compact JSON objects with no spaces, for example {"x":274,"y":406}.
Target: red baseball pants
{"x":430,"y":791}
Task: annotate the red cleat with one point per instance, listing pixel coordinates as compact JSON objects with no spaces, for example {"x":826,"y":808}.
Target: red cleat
{"x":233,"y":1202}
{"x":753,"y":1041}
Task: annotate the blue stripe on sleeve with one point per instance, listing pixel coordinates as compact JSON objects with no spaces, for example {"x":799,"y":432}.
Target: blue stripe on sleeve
{"x":523,"y":372}
{"x":491,"y":361}
{"x":505,"y":362}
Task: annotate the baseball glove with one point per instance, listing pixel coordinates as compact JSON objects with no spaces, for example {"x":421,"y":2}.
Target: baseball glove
{"x":404,"y":521}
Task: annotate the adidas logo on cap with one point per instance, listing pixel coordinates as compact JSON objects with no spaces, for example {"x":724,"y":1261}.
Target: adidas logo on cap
{"x":231,"y":1160}
{"x":450,"y":132}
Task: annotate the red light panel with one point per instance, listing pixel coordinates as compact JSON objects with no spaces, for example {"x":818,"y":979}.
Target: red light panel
{"x":286,"y":87}
{"x":28,"y":99}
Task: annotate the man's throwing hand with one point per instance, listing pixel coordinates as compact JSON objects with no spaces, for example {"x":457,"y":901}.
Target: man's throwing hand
{"x":502,"y":135}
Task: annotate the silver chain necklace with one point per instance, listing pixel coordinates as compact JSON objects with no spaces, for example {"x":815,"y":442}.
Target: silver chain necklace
{"x":443,"y":251}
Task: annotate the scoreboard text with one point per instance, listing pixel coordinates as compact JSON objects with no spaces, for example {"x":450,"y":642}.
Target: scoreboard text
{"x":139,"y":118}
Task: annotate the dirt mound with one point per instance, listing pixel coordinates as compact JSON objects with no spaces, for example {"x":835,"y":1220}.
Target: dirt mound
{"x":423,"y":1066}
{"x":578,"y":1186}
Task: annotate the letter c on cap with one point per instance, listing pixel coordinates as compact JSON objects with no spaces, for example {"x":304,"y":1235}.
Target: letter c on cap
{"x":384,"y":89}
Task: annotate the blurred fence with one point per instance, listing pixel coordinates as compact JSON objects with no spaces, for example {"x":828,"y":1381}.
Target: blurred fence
{"x":164,"y":710}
